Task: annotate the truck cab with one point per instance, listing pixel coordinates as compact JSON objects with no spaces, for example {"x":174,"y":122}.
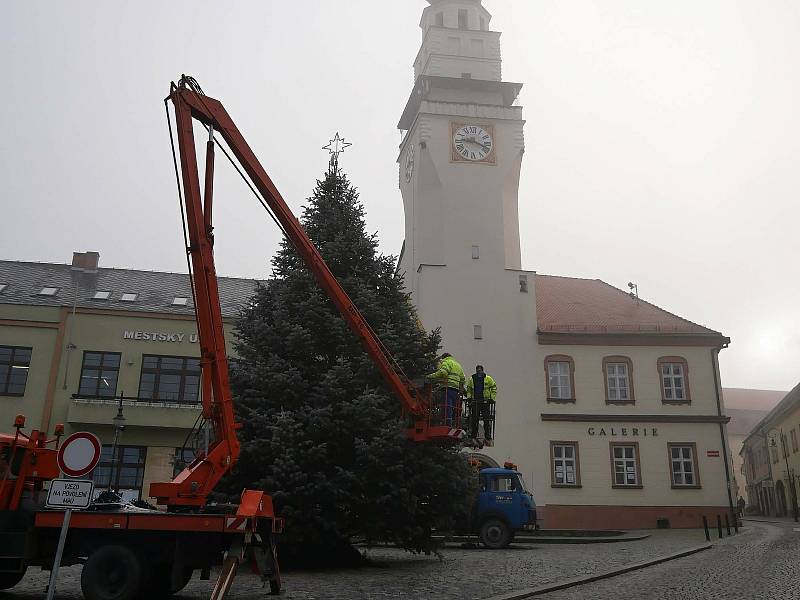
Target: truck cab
{"x":505,"y":506}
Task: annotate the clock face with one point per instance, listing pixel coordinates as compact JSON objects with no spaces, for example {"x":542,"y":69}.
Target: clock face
{"x":410,"y":162}
{"x":472,"y":142}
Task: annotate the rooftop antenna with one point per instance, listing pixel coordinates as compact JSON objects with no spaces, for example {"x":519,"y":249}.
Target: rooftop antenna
{"x":634,"y":291}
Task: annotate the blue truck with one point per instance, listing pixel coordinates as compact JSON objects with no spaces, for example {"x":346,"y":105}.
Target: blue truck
{"x":504,"y":506}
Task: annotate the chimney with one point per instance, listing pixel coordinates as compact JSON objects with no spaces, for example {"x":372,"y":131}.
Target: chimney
{"x":85,"y":262}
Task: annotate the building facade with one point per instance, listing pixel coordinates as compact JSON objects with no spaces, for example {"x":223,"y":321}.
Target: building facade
{"x":610,"y":405}
{"x":771,"y":460}
{"x":746,"y":408}
{"x":75,"y":337}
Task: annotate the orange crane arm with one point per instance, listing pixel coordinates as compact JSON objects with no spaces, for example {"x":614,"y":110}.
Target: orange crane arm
{"x":198,"y":479}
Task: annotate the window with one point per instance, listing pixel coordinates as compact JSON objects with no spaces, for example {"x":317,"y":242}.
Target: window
{"x":477,"y":332}
{"x":170,"y":378}
{"x":476,"y":48}
{"x":463,"y":19}
{"x":523,"y":284}
{"x":48,"y":291}
{"x":14,"y":364}
{"x":128,"y":297}
{"x":617,"y":371}
{"x":101,"y":295}
{"x":440,"y":19}
{"x":560,"y":377}
{"x":502,"y":483}
{"x":625,"y":466}
{"x":483,"y":24}
{"x":674,"y":372}
{"x":99,"y":374}
{"x":179,"y":301}
{"x":565,"y":469}
{"x":453,"y":45}
{"x":683,"y":465}
{"x":123,"y":474}
{"x":466,"y":76}
{"x":476,"y":252}
{"x":793,"y":436}
{"x":774,"y":453}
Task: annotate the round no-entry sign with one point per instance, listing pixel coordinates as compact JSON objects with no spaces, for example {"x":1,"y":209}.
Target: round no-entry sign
{"x":79,"y":454}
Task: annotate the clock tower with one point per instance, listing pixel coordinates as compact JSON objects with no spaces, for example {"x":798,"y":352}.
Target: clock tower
{"x":462,"y":150}
{"x":460,"y":162}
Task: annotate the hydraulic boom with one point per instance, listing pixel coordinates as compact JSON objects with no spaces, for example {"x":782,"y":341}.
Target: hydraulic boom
{"x":193,"y":485}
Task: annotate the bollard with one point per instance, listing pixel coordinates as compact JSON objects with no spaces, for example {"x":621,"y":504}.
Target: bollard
{"x":705,"y":528}
{"x":719,"y":526}
{"x":735,"y":524}
{"x":727,"y":525}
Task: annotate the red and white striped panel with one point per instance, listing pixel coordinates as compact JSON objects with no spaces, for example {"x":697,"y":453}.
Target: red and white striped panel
{"x":236,"y":523}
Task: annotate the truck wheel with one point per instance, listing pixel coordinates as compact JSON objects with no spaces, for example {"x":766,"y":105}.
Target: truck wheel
{"x":9,"y":580}
{"x":187,"y":577}
{"x":495,"y":534}
{"x":112,"y":573}
{"x":159,"y":582}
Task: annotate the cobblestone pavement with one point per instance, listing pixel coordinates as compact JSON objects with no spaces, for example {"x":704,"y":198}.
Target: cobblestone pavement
{"x":460,"y":574}
{"x":761,"y":563}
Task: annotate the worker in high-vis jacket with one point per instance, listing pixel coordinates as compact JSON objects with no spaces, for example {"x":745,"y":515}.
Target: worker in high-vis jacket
{"x":449,"y":379}
{"x":481,"y":395}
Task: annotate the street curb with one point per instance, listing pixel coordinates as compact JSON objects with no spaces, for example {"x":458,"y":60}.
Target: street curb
{"x":567,"y":583}
{"x":787,"y":522}
{"x":534,"y":540}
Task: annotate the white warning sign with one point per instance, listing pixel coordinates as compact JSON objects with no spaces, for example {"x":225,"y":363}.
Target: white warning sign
{"x":70,"y":493}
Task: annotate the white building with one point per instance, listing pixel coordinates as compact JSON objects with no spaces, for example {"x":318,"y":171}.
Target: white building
{"x":610,"y":405}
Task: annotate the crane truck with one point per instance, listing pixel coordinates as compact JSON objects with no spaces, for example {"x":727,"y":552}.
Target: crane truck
{"x":128,"y":552}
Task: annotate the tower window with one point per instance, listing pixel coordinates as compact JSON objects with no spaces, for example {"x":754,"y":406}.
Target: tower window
{"x":477,"y":332}
{"x":463,"y":19}
{"x":440,"y":19}
{"x":476,"y":48}
{"x":476,"y":252}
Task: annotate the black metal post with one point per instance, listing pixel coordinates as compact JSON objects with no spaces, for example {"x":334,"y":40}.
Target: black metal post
{"x":705,"y":528}
{"x":727,"y":525}
{"x":719,"y":526}
{"x":119,"y":427}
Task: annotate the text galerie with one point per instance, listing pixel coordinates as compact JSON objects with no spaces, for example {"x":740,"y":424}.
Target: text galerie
{"x":624,"y":431}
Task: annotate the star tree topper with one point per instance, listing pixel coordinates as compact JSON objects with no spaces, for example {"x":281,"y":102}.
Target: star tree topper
{"x":335,"y":147}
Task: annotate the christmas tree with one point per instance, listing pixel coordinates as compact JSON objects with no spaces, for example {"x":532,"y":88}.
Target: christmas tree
{"x":321,"y":432}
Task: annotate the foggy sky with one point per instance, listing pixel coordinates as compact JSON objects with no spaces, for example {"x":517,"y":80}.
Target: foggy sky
{"x":662,"y":140}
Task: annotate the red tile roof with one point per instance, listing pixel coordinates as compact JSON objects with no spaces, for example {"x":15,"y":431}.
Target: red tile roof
{"x":571,"y":305}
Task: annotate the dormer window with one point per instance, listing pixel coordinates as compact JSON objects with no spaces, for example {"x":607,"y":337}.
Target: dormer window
{"x":101,"y":295}
{"x":127,"y":297}
{"x":463,"y":19}
{"x":48,"y":291}
{"x":179,"y":301}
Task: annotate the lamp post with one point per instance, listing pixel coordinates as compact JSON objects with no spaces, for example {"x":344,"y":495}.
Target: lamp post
{"x":789,"y":472}
{"x":119,"y":427}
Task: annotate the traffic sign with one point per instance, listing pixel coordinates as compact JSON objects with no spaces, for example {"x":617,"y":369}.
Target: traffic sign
{"x":74,"y":494}
{"x":79,"y":454}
